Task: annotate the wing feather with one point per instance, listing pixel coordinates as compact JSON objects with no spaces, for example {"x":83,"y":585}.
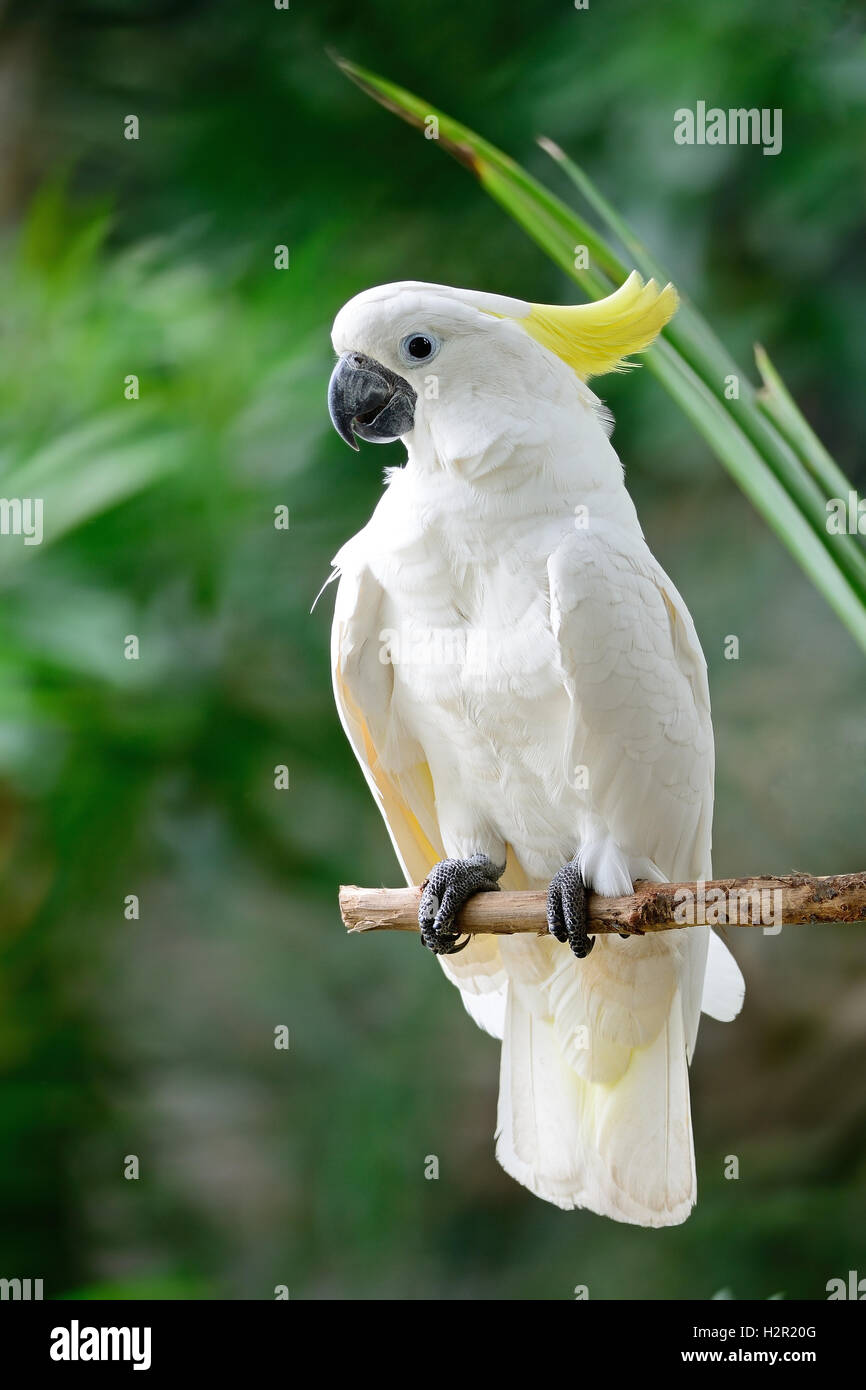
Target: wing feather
{"x":401,"y":783}
{"x":637,"y":679}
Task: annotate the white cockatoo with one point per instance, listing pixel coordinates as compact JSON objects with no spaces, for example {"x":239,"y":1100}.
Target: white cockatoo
{"x":525,"y":691}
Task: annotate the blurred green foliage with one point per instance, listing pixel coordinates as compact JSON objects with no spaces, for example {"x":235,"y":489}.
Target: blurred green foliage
{"x":155,"y":257}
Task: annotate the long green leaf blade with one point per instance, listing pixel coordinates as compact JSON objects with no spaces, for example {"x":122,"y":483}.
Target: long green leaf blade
{"x":692,"y":365}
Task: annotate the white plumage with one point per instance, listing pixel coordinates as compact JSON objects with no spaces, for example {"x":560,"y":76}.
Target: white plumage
{"x":519,"y":677}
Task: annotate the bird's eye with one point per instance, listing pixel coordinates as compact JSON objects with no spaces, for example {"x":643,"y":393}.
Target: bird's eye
{"x":418,"y":347}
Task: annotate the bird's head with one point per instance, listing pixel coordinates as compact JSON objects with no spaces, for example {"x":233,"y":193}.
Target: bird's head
{"x":460,"y":364}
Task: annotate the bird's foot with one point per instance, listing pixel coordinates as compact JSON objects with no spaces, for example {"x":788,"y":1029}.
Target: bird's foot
{"x":568,"y":912}
{"x":446,"y":888}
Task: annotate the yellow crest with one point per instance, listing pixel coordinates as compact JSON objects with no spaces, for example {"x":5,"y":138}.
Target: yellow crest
{"x":596,"y":338}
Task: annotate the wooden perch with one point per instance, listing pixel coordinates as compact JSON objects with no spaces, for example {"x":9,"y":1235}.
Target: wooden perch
{"x":753,"y":902}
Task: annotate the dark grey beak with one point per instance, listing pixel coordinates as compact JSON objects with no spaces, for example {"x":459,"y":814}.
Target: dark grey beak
{"x":367,"y":399}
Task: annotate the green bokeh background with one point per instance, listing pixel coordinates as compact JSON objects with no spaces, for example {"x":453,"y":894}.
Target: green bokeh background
{"x":156,"y":777}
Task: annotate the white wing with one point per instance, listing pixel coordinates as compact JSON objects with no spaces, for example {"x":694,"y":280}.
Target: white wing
{"x":637,"y":678}
{"x":397,"y":772}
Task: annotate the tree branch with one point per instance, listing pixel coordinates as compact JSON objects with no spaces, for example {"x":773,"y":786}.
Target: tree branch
{"x":754,"y":902}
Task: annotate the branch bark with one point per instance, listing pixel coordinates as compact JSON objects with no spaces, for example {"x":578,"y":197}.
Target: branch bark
{"x":754,"y":902}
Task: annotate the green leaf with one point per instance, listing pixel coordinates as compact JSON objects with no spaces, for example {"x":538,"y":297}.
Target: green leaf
{"x":692,"y":364}
{"x":772,"y":423}
{"x":775,"y":400}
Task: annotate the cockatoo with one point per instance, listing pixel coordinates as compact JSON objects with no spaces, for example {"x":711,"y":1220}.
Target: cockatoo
{"x":526,"y":694}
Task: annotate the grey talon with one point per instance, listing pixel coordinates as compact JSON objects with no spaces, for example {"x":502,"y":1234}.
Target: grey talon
{"x":450,"y":884}
{"x":568,"y":912}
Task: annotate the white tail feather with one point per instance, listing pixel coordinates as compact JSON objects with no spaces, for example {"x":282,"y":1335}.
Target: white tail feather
{"x":724,"y":986}
{"x":624,"y":1151}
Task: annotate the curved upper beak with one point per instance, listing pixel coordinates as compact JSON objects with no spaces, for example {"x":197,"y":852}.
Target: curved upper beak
{"x":369,"y":400}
